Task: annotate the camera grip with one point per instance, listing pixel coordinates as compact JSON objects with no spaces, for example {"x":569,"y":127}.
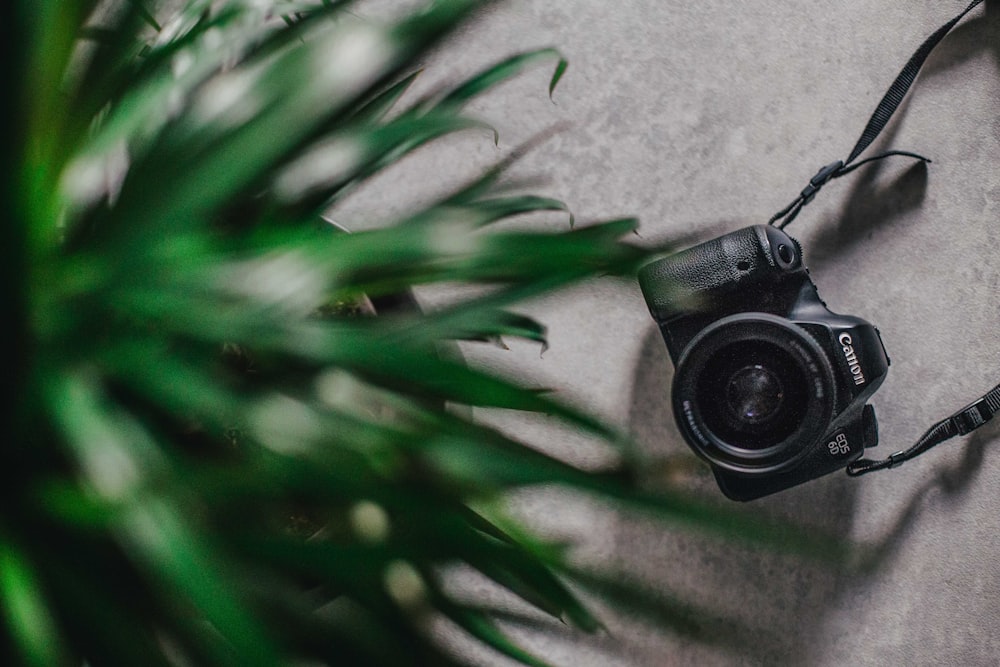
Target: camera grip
{"x":696,"y":278}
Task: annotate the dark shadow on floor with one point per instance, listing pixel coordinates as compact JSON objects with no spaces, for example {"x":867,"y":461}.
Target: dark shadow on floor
{"x":774,"y":604}
{"x":770,"y":604}
{"x":776,"y":599}
{"x":873,"y":203}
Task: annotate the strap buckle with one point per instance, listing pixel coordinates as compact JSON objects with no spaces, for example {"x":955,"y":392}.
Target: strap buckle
{"x":821,"y":178}
{"x":896,"y":459}
{"x":972,"y":416}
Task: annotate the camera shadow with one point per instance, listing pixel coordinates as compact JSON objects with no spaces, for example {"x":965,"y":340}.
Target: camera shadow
{"x":744,"y":604}
{"x":762,"y":604}
{"x":869,"y":204}
{"x":736,"y":602}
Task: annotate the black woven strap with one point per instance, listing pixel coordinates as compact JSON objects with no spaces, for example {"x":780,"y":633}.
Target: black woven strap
{"x":962,"y":422}
{"x":883,"y":112}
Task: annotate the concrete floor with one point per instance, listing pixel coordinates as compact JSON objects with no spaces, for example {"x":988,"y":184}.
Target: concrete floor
{"x":699,"y":118}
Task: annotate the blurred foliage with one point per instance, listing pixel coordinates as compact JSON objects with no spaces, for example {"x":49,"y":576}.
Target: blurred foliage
{"x":214,"y":453}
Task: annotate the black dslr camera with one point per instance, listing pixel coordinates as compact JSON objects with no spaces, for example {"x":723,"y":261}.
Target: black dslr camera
{"x":771,"y":388}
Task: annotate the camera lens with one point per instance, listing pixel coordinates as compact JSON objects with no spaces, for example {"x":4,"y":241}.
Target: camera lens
{"x":752,"y":392}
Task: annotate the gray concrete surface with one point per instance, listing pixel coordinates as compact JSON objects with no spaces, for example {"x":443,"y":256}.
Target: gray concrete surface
{"x":700,"y":117}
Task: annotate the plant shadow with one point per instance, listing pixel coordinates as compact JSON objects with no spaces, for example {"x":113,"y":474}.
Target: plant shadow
{"x":751,"y":588}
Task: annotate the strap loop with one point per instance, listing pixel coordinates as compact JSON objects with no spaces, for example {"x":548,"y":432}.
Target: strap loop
{"x":896,"y":459}
{"x":821,"y":178}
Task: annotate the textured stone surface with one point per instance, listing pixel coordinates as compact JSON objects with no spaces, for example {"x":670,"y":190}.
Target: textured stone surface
{"x":699,"y":117}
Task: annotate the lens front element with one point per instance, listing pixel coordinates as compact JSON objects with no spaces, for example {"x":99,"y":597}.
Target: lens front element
{"x":754,"y":394}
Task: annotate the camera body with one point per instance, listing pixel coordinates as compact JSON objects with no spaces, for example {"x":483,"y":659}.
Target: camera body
{"x":771,"y":387}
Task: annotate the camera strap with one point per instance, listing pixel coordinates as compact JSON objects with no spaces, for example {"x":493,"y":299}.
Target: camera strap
{"x":883,"y":112}
{"x":962,"y":422}
{"x":982,"y":409}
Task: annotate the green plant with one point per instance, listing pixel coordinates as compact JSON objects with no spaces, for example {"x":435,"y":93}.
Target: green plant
{"x":210,"y":457}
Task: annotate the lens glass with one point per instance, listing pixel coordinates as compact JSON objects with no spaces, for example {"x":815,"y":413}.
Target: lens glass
{"x":752,"y":394}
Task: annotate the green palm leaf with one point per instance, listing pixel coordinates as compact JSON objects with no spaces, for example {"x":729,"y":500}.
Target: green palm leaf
{"x":216,"y":453}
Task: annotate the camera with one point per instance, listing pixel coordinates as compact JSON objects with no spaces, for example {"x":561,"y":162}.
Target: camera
{"x":770,"y":386}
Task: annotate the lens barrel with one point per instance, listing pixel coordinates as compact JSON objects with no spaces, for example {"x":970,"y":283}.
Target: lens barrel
{"x":753,"y":392}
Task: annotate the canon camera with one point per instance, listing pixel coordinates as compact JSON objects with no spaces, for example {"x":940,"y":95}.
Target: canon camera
{"x":770,"y":387}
